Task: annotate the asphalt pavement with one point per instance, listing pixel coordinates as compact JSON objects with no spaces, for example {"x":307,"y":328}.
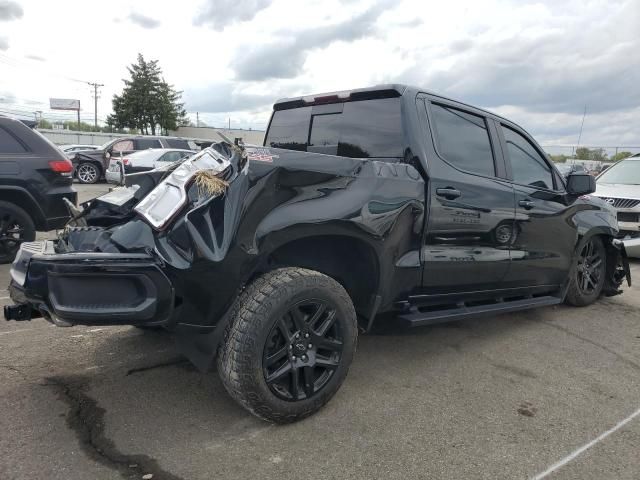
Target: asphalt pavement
{"x":547,"y":393}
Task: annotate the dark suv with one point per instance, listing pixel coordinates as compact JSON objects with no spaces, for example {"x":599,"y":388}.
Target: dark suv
{"x":91,"y":165}
{"x":34,"y":178}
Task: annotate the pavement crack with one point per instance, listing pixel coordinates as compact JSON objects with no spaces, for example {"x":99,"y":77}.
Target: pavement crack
{"x":15,"y":369}
{"x":168,"y":363}
{"x":618,"y":355}
{"x":86,"y":419}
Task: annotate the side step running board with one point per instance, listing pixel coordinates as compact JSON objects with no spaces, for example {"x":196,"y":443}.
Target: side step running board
{"x":416,"y":318}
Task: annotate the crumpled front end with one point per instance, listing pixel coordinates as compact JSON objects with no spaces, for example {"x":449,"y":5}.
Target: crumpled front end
{"x":617,"y":268}
{"x":119,"y":259}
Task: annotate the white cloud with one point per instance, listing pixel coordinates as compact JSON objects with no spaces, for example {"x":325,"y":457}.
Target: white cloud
{"x":536,"y":62}
{"x":143,"y":20}
{"x":10,"y":10}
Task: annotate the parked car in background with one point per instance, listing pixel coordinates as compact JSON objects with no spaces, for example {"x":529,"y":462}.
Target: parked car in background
{"x":35,"y":177}
{"x":567,"y":169}
{"x":619,"y":186}
{"x":90,"y":166}
{"x":142,"y":161}
{"x":70,"y":150}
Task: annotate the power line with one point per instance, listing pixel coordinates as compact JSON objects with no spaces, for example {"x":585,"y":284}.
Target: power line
{"x":95,"y":86}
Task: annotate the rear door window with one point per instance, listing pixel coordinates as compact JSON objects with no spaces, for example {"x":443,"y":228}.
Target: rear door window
{"x":9,"y":143}
{"x":463,"y":140}
{"x":144,"y":143}
{"x":123,"y":146}
{"x":528,"y":166}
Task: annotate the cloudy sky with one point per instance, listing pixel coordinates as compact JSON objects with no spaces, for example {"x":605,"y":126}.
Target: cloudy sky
{"x":537,"y":62}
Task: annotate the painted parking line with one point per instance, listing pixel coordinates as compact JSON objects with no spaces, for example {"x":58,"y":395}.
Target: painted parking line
{"x":20,"y":330}
{"x":585,"y":447}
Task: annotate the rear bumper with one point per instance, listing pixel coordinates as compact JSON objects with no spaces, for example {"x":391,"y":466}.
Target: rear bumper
{"x":90,"y":288}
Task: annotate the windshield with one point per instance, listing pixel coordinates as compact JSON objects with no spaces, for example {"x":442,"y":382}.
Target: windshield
{"x":626,"y":172}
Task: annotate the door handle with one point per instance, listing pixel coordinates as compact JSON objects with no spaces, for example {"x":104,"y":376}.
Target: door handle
{"x":526,"y":204}
{"x":448,"y":193}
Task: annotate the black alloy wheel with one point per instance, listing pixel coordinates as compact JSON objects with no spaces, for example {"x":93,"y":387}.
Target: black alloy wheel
{"x":303,"y":350}
{"x":290,"y":340}
{"x":587,"y":280}
{"x":590,"y":271}
{"x":15,"y":227}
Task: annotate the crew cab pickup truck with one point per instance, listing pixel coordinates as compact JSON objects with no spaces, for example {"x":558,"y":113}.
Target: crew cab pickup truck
{"x":387,"y":199}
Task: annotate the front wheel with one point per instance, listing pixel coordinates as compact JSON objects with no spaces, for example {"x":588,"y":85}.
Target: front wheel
{"x":588,"y":275}
{"x":289,"y":344}
{"x":88,"y":173}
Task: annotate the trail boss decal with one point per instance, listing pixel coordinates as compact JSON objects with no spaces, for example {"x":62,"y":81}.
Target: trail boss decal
{"x":261,"y":154}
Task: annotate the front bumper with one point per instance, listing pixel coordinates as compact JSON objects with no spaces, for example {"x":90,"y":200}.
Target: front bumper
{"x":89,"y":288}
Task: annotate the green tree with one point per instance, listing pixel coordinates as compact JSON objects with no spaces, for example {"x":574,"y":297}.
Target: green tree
{"x":44,"y":123}
{"x":599,"y":154}
{"x":558,"y":158}
{"x":620,"y":155}
{"x":584,"y":153}
{"x":147,"y":103}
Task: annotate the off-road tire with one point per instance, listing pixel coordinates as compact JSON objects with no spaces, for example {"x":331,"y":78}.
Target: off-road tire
{"x":10,"y":215}
{"x":87,"y":178}
{"x":576,"y":296}
{"x":254,"y":314}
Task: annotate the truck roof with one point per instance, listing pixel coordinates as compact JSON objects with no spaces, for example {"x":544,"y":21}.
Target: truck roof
{"x":386,"y":90}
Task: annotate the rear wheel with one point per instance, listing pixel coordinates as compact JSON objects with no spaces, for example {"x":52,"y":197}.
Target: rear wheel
{"x":88,"y":173}
{"x":16,"y":226}
{"x":289,"y":344}
{"x":588,"y":275}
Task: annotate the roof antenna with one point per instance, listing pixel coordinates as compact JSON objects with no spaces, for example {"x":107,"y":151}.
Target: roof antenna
{"x":582,"y":125}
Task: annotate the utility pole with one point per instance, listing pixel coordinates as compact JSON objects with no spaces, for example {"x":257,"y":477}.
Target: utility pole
{"x":197,"y":119}
{"x":229,"y":123}
{"x":95,"y":86}
{"x":38,"y":114}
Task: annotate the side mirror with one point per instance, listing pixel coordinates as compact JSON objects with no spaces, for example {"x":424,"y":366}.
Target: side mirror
{"x":581,"y":184}
{"x":107,"y":154}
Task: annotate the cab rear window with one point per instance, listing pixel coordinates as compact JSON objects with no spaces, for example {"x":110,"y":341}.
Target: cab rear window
{"x":361,"y":129}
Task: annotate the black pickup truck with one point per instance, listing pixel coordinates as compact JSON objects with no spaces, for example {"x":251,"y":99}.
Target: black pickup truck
{"x":388,"y":199}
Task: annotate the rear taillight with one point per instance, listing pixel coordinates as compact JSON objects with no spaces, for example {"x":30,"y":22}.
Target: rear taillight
{"x":126,"y":161}
{"x":61,"y":166}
